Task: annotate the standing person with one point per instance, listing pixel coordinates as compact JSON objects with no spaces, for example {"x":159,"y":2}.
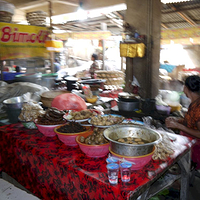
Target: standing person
{"x":94,"y":65}
{"x":190,"y":124}
{"x":56,"y":65}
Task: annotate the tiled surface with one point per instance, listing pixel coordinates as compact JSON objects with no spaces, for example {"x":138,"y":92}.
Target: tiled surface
{"x":9,"y":192}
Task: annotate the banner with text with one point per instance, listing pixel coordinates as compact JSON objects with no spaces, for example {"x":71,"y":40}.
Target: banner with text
{"x":22,"y":41}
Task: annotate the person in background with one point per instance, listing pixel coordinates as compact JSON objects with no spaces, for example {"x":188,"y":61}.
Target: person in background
{"x":5,"y":68}
{"x":57,"y":65}
{"x":18,"y":69}
{"x":94,"y":66}
{"x":190,"y":125}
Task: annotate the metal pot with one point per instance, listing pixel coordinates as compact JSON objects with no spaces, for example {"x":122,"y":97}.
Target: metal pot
{"x":71,"y":82}
{"x":128,"y":102}
{"x":128,"y":106}
{"x":125,"y":96}
{"x":113,"y":133}
{"x":13,"y":108}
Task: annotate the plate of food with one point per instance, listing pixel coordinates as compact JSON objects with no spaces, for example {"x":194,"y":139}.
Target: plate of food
{"x":131,"y":121}
{"x":80,"y":116}
{"x":104,"y":121}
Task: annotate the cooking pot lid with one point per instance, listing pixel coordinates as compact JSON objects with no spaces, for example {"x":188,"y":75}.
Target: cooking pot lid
{"x":71,"y":78}
{"x":92,"y":81}
{"x":126,"y":95}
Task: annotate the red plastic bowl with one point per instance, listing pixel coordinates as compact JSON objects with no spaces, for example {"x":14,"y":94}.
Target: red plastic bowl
{"x":140,"y":161}
{"x":70,"y":138}
{"x":47,"y":130}
{"x":95,"y":151}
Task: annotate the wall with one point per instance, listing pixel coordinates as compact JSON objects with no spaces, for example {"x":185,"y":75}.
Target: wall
{"x":145,"y":16}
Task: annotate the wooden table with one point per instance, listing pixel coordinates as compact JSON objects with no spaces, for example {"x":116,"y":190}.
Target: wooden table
{"x":51,"y":170}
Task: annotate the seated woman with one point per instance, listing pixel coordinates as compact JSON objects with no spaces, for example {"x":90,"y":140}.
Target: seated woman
{"x":190,"y":124}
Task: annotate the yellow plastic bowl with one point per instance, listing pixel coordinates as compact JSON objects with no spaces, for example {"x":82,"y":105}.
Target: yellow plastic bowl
{"x":175,"y":108}
{"x":91,"y":100}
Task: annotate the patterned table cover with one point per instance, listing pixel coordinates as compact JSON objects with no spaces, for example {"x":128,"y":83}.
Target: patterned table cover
{"x":52,"y":170}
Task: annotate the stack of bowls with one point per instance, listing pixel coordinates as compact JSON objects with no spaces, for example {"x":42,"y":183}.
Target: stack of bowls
{"x":140,"y":154}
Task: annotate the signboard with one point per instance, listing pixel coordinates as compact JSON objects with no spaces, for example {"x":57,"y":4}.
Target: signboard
{"x":181,"y":36}
{"x":99,"y":35}
{"x":22,"y":41}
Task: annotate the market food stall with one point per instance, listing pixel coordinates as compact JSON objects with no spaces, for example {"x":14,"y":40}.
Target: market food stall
{"x":52,"y":170}
{"x":50,"y":162}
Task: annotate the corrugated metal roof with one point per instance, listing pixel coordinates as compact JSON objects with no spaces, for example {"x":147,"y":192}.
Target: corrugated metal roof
{"x":181,"y":15}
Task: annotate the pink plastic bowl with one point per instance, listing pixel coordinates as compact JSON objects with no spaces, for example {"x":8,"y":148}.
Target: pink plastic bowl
{"x":70,"y":138}
{"x":140,"y":161}
{"x":95,"y":151}
{"x":47,"y":130}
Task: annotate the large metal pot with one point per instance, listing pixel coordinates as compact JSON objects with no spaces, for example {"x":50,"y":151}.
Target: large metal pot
{"x":128,"y":106}
{"x":116,"y":132}
{"x":128,"y":102}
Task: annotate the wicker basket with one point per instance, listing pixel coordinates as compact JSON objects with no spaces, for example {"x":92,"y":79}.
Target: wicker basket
{"x":37,"y":18}
{"x":5,"y":16}
{"x":114,"y":79}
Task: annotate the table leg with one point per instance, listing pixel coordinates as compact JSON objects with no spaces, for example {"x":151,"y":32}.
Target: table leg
{"x":185,"y":163}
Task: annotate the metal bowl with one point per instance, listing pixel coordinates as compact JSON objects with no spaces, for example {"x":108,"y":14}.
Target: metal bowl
{"x":116,"y":132}
{"x":13,"y":108}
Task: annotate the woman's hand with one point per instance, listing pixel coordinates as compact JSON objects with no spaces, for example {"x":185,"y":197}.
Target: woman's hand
{"x":173,"y":122}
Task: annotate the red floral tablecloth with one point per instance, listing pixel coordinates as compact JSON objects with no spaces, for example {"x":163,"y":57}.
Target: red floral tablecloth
{"x":52,"y":170}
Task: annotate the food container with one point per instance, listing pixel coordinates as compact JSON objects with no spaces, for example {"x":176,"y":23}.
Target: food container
{"x":13,"y":108}
{"x":162,"y":109}
{"x":138,"y":162}
{"x":128,"y":102}
{"x":69,"y":139}
{"x":71,"y":82}
{"x":95,"y":151}
{"x":116,"y":132}
{"x":47,"y":97}
{"x":46,"y":130}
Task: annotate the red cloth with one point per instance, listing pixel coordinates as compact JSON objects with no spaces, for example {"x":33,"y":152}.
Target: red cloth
{"x":52,"y":170}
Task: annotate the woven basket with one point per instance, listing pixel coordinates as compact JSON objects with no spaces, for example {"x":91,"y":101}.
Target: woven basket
{"x":114,"y":79}
{"x":37,"y":18}
{"x":5,"y":16}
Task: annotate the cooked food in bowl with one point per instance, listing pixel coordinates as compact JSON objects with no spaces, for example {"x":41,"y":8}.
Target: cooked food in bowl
{"x":106,"y":120}
{"x":116,"y":132}
{"x":80,"y":115}
{"x":132,"y":140}
{"x":52,"y":116}
{"x":93,"y":149}
{"x":68,"y":132}
{"x":71,"y":127}
{"x":96,"y":138}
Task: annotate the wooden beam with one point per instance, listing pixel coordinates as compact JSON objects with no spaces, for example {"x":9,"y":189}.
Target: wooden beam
{"x":184,"y":16}
{"x":164,"y":26}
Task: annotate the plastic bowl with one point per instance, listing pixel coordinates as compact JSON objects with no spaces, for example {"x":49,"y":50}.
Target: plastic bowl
{"x":140,"y":161}
{"x":69,"y":139}
{"x":47,"y":130}
{"x":163,"y":109}
{"x":93,"y":99}
{"x":94,"y":151}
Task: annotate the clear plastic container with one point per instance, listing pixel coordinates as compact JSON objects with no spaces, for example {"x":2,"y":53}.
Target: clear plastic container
{"x":125,"y":169}
{"x":113,"y":172}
